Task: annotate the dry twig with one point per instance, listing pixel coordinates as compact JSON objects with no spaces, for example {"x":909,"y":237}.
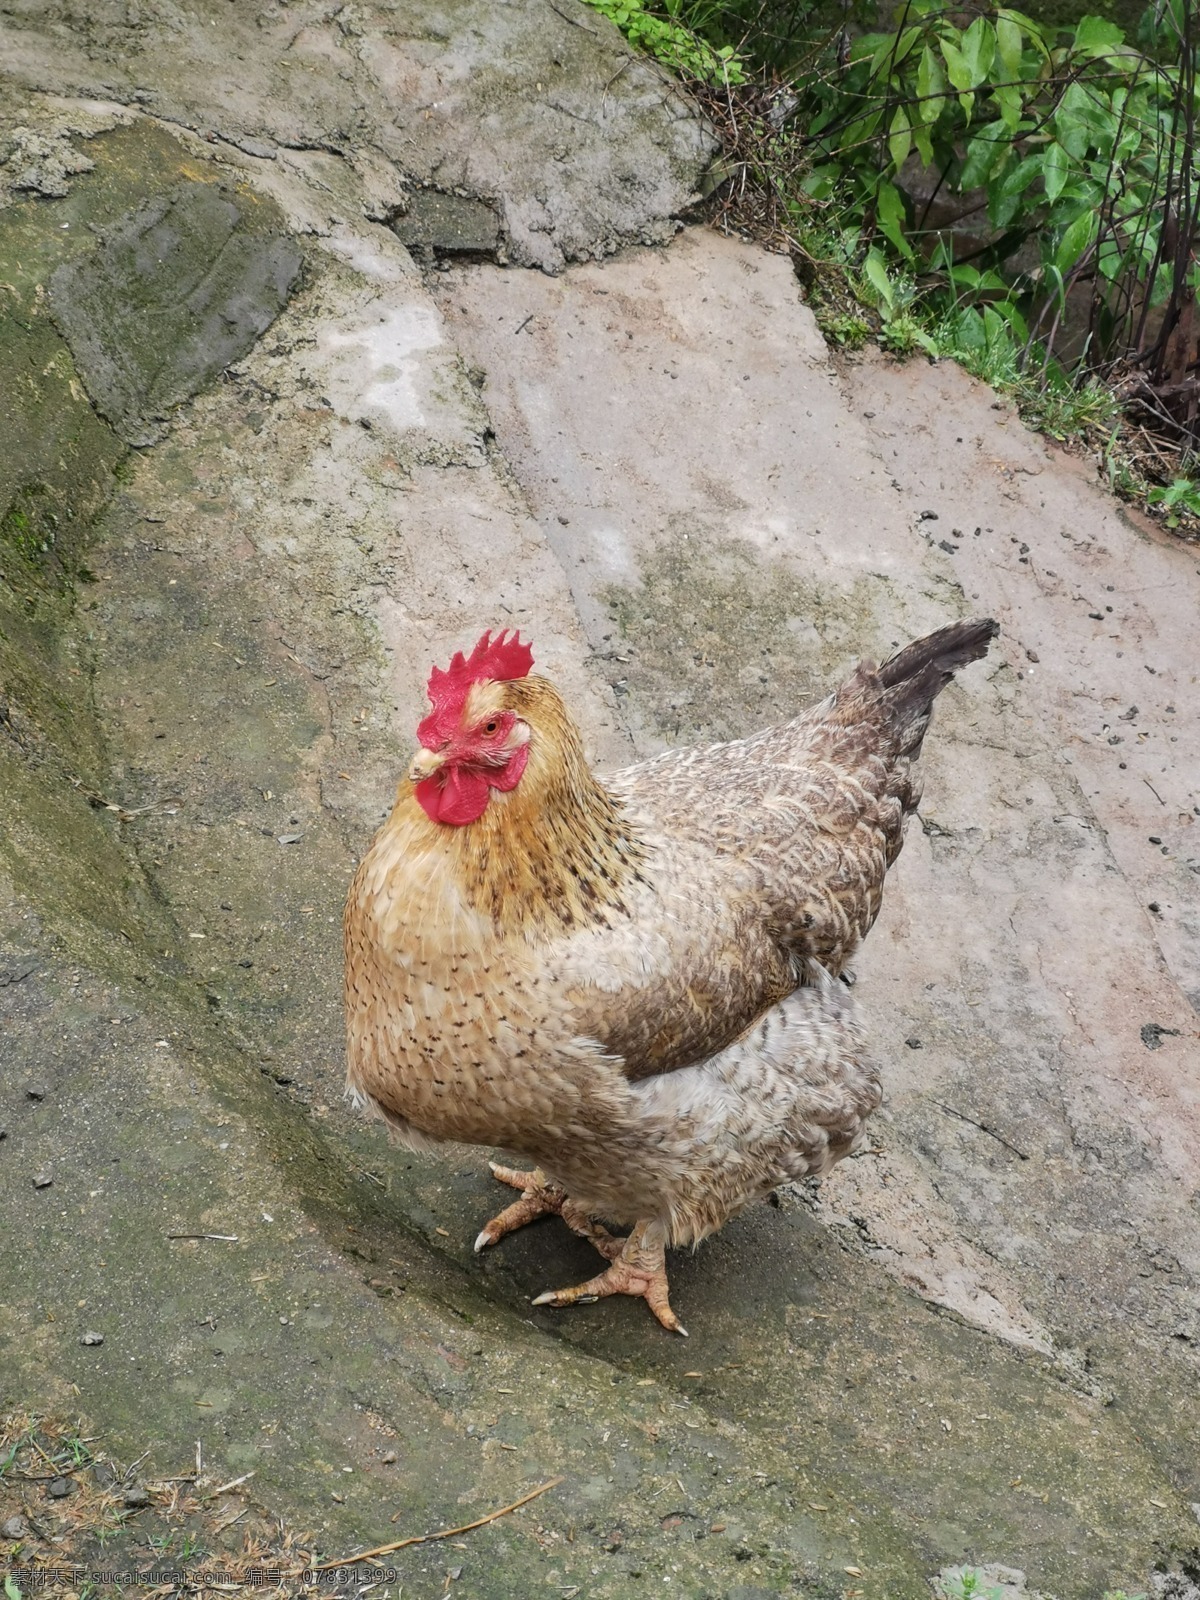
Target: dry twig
{"x":445,"y":1533}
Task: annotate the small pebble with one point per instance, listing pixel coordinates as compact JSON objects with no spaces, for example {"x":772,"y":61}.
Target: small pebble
{"x":389,"y":1458}
{"x":42,"y":1180}
{"x":913,"y":1044}
{"x":59,"y":1488}
{"x":92,"y":1338}
{"x":36,"y":1091}
{"x":14,"y":1528}
{"x":137,"y":1496}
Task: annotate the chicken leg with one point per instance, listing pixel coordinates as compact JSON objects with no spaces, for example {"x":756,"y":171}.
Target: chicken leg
{"x":638,"y":1263}
{"x":639,"y":1268}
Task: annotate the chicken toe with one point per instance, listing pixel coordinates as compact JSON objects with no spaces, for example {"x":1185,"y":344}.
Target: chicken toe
{"x":538,"y":1199}
{"x":638,"y":1267}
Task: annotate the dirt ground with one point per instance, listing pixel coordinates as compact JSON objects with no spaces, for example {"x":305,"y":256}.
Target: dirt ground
{"x":224,"y":577}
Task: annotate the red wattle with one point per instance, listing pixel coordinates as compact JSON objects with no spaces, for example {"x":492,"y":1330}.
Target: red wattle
{"x":455,"y":796}
{"x":459,"y":794}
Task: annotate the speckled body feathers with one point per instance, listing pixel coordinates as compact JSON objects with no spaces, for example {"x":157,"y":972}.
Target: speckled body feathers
{"x":631,"y":983}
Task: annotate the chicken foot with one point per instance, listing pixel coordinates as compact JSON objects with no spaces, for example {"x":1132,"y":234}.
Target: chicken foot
{"x":539,"y":1198}
{"x":638,"y":1263}
{"x":639,"y":1268}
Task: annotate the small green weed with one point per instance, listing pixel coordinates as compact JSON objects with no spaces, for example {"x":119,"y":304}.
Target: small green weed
{"x":846,"y":328}
{"x":967,"y":1585}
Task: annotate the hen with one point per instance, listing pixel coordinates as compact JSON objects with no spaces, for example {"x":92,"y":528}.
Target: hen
{"x":630,"y":982}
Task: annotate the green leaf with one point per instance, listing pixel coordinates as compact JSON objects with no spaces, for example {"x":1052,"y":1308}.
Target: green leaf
{"x":899,"y":138}
{"x":868,"y":45}
{"x":979,"y":50}
{"x":923,"y":144}
{"x":988,"y":147}
{"x":1076,"y":240}
{"x":1056,"y":166}
{"x":957,"y":67}
{"x":969,"y":329}
{"x":889,"y":209}
{"x":820,"y":182}
{"x":1109,"y":259}
{"x":1095,"y":36}
{"x":11,"y":1590}
{"x":959,"y":74}
{"x":931,"y":86}
{"x":1073,"y":120}
{"x":1008,"y":45}
{"x":994,"y":325}
{"x":1008,"y":100}
{"x":905,"y":45}
{"x":876,"y":275}
{"x":1033,"y":31}
{"x":1013,"y":317}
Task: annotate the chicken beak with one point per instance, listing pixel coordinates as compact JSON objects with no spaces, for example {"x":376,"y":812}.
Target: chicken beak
{"x":425,"y":763}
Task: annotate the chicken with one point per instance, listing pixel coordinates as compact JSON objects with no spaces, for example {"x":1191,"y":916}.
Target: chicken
{"x":631,"y":982}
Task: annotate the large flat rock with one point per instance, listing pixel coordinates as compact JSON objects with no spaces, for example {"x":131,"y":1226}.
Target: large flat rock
{"x":538,"y":113}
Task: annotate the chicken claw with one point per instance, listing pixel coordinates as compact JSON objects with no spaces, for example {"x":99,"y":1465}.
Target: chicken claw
{"x":538,"y":1199}
{"x":639,"y":1268}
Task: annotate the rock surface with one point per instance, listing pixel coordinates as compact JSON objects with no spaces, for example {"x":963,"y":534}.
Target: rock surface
{"x":978,"y":1343}
{"x":538,"y":109}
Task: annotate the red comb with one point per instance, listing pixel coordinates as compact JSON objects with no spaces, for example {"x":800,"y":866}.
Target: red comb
{"x":497,"y":659}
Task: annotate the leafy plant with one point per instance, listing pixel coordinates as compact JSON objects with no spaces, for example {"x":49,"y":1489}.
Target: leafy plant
{"x":672,"y":41}
{"x":1073,"y":149}
{"x":1183,"y":492}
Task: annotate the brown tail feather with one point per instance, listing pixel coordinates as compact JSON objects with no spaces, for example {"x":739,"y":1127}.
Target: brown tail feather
{"x":947,"y":649}
{"x":918,"y":673}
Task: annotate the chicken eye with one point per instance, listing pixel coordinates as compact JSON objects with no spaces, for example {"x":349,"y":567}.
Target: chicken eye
{"x":491,"y":727}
